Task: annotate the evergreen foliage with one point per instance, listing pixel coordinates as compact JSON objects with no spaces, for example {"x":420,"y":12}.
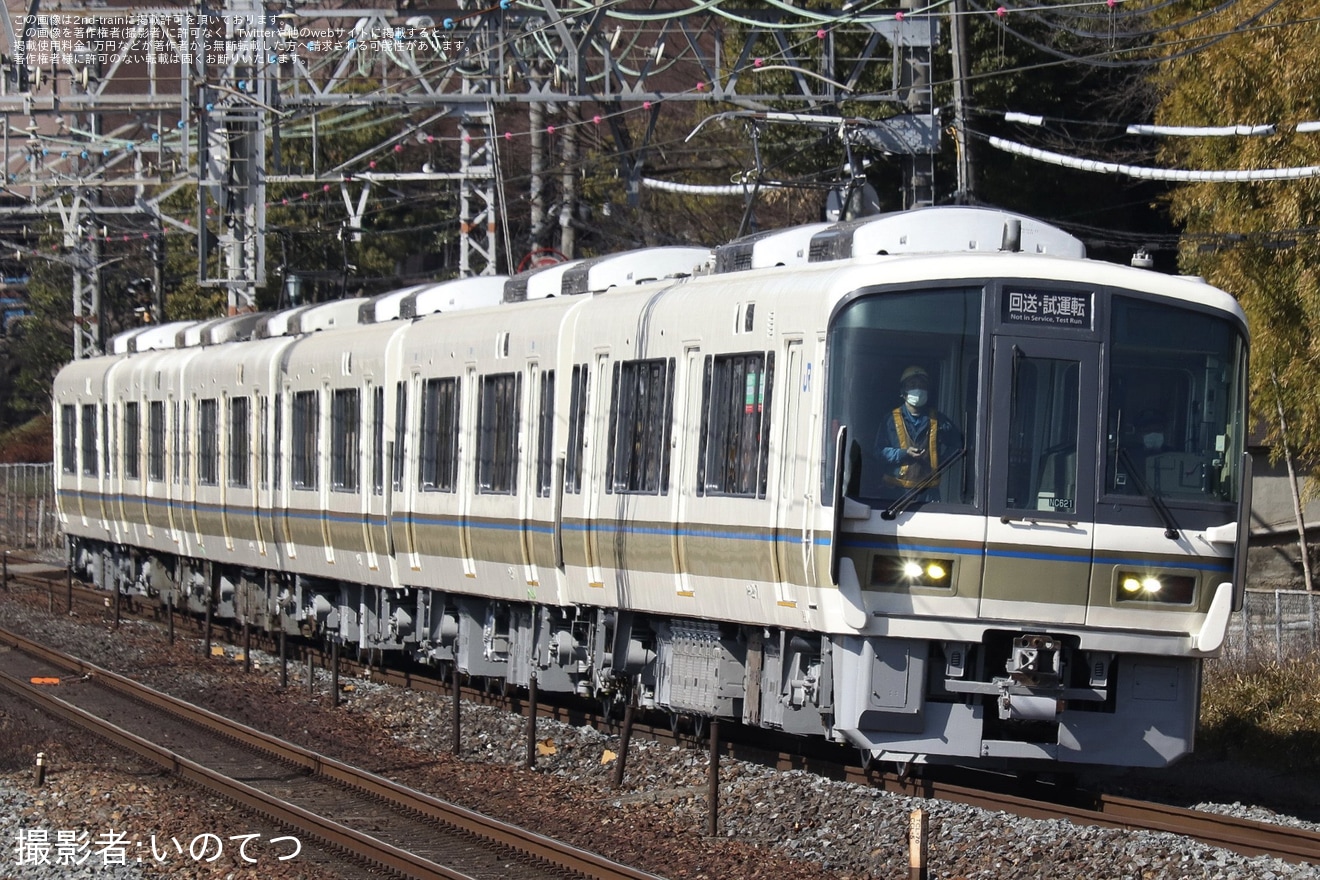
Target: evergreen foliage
{"x":1257,"y":240}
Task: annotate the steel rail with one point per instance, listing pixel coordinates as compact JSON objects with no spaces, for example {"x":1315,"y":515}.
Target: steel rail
{"x":1244,"y":836}
{"x":327,"y":831}
{"x":561,"y":855}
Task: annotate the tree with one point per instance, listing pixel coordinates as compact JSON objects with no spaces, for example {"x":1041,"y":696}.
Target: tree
{"x":1257,"y":239}
{"x":41,"y":343}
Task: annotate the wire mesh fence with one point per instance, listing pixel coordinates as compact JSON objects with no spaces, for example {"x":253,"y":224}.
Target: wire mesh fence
{"x":28,"y":520}
{"x":1274,"y":625}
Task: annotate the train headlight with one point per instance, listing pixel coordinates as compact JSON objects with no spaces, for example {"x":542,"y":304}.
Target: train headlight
{"x":1162,"y":587}
{"x":895,"y":571}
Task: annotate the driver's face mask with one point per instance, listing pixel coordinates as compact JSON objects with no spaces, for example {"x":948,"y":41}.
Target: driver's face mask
{"x":916,"y":397}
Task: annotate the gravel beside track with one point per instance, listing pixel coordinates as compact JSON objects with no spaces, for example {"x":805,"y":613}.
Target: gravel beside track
{"x":789,"y":826}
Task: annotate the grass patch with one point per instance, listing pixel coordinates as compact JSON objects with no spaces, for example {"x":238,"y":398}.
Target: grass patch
{"x":1266,"y":713}
{"x":27,"y":443}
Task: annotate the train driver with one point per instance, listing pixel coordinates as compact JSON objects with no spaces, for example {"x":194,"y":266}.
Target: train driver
{"x":915,"y":438}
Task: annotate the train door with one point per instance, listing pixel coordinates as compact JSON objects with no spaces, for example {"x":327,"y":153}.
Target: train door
{"x":790,"y":558}
{"x":225,"y":467}
{"x":529,"y":477}
{"x":372,"y":481}
{"x":144,"y":467}
{"x":1042,"y":469}
{"x":321,"y":473}
{"x":407,"y":440}
{"x":598,"y":421}
{"x":117,"y":462}
{"x":172,"y":491}
{"x":282,"y":467}
{"x":463,"y":482}
{"x":103,"y":472}
{"x":689,"y":394}
{"x":190,"y":466}
{"x":264,"y":494}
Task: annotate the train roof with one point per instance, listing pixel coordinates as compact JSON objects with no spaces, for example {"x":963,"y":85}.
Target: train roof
{"x":455,"y":295}
{"x":942,"y":230}
{"x":946,"y":229}
{"x":771,"y":247}
{"x":310,"y":318}
{"x":538,"y":283}
{"x":150,"y":337}
{"x":599,"y":274}
{"x":386,"y":306}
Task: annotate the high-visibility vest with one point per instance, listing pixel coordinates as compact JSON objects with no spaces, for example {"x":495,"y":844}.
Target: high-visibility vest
{"x":913,"y":472}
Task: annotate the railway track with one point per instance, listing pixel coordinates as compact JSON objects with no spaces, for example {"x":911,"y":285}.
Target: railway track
{"x":1081,"y":807}
{"x":373,"y":820}
{"x":1244,"y":836}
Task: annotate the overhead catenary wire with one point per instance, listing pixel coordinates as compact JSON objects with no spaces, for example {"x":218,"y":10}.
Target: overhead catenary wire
{"x":1141,"y":172}
{"x":696,"y":7}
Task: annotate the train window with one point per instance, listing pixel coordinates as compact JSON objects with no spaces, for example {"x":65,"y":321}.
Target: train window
{"x":1174,"y":417}
{"x":545,"y":431}
{"x":174,"y":439}
{"x":132,"y":441}
{"x":878,"y":345}
{"x":400,"y":432}
{"x":105,"y":439}
{"x":69,"y":439}
{"x":277,"y":467}
{"x":1042,"y":448}
{"x":186,"y":454}
{"x":240,"y":432}
{"x":88,"y":439}
{"x":438,"y":455}
{"x":305,"y":439}
{"x":156,"y":440}
{"x":577,"y":434}
{"x":263,"y":455}
{"x":735,"y":433}
{"x":111,"y":423}
{"x":208,"y":441}
{"x":497,"y":433}
{"x":378,"y":440}
{"x":345,"y":429}
{"x":640,"y":421}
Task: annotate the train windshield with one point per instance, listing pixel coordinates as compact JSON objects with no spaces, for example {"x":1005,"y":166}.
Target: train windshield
{"x":1174,"y":416}
{"x":903,"y":373}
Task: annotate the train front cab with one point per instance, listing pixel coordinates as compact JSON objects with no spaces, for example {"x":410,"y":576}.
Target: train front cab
{"x":1049,"y":593}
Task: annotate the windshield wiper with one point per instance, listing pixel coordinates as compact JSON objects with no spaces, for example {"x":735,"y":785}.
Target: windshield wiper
{"x":1166,"y":516}
{"x":910,"y":495}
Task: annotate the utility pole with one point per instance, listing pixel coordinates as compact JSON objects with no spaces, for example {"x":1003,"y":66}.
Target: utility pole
{"x":158,"y":273}
{"x":233,"y":118}
{"x":966,"y":193}
{"x":536,"y":171}
{"x":86,"y":278}
{"x":568,"y":181}
{"x":915,"y":90}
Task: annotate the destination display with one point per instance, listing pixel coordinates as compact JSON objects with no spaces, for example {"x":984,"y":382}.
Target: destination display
{"x":1047,"y":307}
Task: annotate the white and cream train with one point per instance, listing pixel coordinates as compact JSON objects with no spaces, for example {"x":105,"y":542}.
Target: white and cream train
{"x":661,"y":476}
